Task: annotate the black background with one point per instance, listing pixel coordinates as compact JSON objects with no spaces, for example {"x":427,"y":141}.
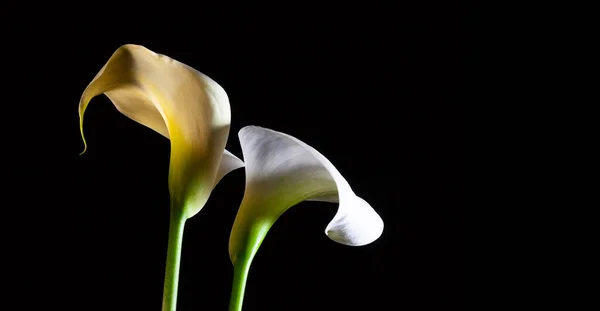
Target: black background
{"x":378,"y":91}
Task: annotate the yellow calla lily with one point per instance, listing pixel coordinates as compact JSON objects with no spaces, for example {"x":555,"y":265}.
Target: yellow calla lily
{"x":282,"y":171}
{"x":185,"y":106}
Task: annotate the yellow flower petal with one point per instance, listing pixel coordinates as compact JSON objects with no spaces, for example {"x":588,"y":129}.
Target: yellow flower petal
{"x":178,"y":102}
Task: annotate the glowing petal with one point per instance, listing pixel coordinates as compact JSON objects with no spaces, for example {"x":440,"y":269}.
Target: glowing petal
{"x":178,"y":102}
{"x":282,"y":171}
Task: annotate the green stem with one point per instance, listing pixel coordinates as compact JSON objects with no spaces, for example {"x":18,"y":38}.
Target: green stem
{"x":176,"y":224}
{"x":240,"y":275}
{"x":244,"y":256}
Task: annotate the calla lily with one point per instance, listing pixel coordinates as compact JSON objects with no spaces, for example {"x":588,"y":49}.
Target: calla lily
{"x":282,"y":171}
{"x":185,"y":106}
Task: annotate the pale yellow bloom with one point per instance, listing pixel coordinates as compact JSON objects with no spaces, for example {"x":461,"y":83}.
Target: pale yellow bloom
{"x":181,"y":104}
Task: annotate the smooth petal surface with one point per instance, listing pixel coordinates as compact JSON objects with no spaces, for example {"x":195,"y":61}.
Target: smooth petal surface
{"x":181,"y":104}
{"x":282,"y":171}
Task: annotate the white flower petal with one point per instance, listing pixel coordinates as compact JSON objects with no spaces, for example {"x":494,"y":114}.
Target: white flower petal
{"x":282,"y":171}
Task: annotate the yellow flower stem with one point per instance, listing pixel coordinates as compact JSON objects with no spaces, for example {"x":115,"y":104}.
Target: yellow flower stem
{"x":176,"y":224}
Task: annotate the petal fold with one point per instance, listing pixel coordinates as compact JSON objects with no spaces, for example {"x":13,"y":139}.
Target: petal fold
{"x":229,"y":162}
{"x":282,"y":171}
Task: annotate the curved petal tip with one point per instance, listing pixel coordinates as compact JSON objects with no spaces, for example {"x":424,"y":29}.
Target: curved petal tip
{"x":355,"y":224}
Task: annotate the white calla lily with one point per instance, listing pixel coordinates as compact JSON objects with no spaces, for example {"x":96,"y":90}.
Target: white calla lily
{"x":282,"y":171}
{"x":185,"y":106}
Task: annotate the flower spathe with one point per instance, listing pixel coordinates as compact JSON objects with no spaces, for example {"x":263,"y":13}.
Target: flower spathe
{"x":282,"y":171}
{"x":181,"y":104}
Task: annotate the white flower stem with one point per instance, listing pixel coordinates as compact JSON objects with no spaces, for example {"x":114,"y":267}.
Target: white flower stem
{"x":240,"y":275}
